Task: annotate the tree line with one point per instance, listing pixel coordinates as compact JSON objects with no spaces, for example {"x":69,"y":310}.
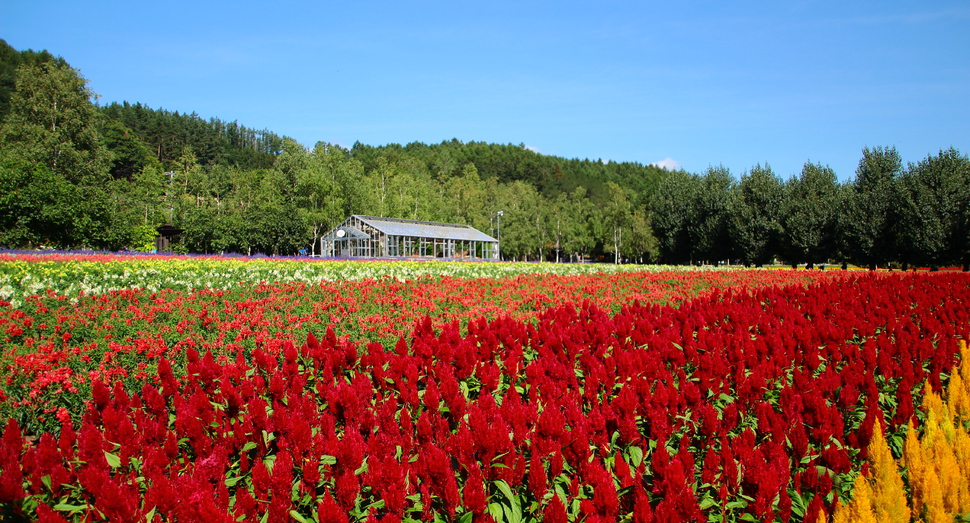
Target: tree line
{"x":887,"y":214}
{"x":86,"y":176}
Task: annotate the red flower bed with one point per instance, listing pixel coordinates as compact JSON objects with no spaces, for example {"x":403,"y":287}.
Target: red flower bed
{"x":54,"y":347}
{"x":741,"y":402}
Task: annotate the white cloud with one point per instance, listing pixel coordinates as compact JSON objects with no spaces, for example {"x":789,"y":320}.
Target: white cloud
{"x":668,"y":163}
{"x":533,"y":148}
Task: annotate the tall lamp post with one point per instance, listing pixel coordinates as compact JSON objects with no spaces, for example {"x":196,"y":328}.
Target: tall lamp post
{"x":499,"y":214}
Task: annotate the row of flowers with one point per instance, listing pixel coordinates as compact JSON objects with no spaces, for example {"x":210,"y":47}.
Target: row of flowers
{"x":53,"y":347}
{"x":24,"y":275}
{"x":739,"y":405}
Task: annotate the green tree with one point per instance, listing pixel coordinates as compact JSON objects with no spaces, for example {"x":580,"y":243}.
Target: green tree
{"x":414,"y":194}
{"x":521,"y":207}
{"x":464,"y":197}
{"x":32,"y":206}
{"x":574,"y":224}
{"x":866,"y":222}
{"x":935,"y":201}
{"x":754,"y":216}
{"x":318,"y":195}
{"x":129,"y":154}
{"x":617,"y":217}
{"x":55,"y":156}
{"x":347,"y":175}
{"x":273,"y":224}
{"x":9,"y":61}
{"x":52,"y":123}
{"x":809,"y":215}
{"x":707,"y":225}
{"x":670,"y":214}
{"x":642,"y":243}
{"x":379,"y":182}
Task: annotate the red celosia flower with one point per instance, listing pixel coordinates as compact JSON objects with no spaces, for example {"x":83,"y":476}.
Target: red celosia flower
{"x":328,"y":511}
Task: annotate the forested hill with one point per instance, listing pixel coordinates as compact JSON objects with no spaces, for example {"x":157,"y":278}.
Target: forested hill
{"x":138,"y":134}
{"x":169,"y":135}
{"x":77,"y":175}
{"x":551,"y":175}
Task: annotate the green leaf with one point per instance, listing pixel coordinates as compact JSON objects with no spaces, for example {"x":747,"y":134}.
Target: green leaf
{"x":268,"y":437}
{"x":799,"y":504}
{"x":296,"y":515}
{"x":515,"y":505}
{"x":328,"y":460}
{"x":504,"y":488}
{"x":562,"y":494}
{"x":636,"y":456}
{"x":379,"y":504}
{"x":113,"y":460}
{"x":250,"y":445}
{"x":466,"y":517}
{"x":495,"y":509}
{"x":65,"y":507}
{"x":707,"y":503}
{"x":151,"y":515}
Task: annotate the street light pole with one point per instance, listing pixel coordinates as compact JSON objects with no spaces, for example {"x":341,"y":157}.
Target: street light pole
{"x":499,"y":214}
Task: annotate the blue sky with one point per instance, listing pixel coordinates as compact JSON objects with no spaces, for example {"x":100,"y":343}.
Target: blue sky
{"x":691,"y":83}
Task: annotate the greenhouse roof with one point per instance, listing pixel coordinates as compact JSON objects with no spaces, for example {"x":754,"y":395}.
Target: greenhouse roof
{"x":420,"y":229}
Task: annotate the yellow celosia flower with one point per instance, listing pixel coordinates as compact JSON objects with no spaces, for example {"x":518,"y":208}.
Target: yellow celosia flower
{"x":964,"y":371}
{"x":937,"y":442}
{"x":936,"y":413}
{"x":841,"y":513}
{"x":860,"y":510}
{"x":915,"y":464}
{"x":888,"y":493}
{"x":933,"y":497}
{"x":957,"y":397}
{"x":961,"y":447}
{"x":956,"y":495}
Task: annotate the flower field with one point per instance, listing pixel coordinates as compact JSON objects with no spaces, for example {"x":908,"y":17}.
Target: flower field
{"x":78,"y":274}
{"x":629,"y":396}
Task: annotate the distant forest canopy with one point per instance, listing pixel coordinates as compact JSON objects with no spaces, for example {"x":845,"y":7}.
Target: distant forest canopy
{"x":79,"y":175}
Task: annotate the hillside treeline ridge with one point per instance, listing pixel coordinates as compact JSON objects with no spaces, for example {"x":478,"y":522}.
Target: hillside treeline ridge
{"x":81,"y":175}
